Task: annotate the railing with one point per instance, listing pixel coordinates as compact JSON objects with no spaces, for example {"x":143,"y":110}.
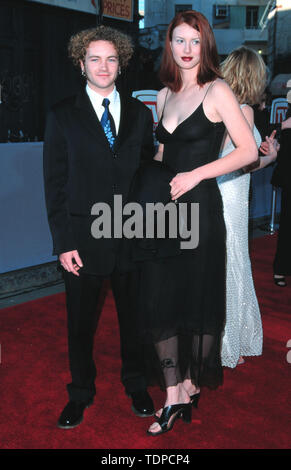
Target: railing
{"x":264,"y":19}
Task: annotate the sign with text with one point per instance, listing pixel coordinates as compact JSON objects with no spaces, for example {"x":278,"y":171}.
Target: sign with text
{"x":278,"y":110}
{"x":118,"y":9}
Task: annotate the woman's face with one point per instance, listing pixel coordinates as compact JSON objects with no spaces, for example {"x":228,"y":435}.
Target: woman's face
{"x":186,"y":46}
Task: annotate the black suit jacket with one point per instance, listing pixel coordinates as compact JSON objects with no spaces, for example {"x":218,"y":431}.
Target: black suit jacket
{"x":80,"y":170}
{"x":282,"y":172}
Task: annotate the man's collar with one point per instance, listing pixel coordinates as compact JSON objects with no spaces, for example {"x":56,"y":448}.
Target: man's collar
{"x":97,"y":98}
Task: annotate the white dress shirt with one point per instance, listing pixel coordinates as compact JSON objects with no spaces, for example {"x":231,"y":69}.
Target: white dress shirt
{"x":114,"y":106}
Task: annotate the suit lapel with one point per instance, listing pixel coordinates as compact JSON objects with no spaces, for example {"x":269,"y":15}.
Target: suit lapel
{"x":91,"y":122}
{"x":126,"y":120}
{"x":89,"y":118}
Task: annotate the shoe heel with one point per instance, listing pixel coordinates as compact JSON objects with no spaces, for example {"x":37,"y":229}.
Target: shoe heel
{"x":186,"y":413}
{"x":280,"y":281}
{"x":195,"y":400}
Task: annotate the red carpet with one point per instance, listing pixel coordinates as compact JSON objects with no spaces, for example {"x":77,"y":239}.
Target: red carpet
{"x":250,"y":411}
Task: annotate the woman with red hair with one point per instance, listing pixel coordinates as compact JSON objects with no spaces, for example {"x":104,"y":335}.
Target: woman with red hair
{"x":183,"y":296}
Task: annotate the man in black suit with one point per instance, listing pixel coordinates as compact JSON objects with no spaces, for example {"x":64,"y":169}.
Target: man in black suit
{"x":281,"y":179}
{"x":92,"y":150}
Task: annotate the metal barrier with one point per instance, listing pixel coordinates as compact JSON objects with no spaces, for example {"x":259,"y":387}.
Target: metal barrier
{"x":278,"y":114}
{"x":149,"y":98}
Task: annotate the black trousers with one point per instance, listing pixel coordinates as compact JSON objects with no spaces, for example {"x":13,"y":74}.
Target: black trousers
{"x":282,"y":261}
{"x":84,"y":302}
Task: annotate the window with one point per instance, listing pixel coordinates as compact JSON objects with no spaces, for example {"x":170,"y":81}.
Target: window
{"x":221,"y":17}
{"x":221,"y":11}
{"x":252,"y":16}
{"x":183,"y":7}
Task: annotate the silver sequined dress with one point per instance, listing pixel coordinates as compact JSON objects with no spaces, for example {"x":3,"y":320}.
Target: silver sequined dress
{"x":243,"y":330}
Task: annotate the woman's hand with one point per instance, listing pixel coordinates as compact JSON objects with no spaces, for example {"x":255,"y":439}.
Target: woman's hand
{"x":273,"y":149}
{"x":270,"y":146}
{"x":184,"y":182}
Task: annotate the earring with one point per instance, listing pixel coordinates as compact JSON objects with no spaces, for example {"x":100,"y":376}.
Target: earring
{"x":119,"y":71}
{"x":83,"y":73}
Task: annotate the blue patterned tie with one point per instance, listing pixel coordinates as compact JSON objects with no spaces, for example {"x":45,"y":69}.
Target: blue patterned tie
{"x":108,"y":123}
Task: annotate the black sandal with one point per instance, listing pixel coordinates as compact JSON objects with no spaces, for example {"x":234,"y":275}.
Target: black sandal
{"x":195,"y":399}
{"x":280,"y":281}
{"x":182,"y":410}
{"x":194,"y":402}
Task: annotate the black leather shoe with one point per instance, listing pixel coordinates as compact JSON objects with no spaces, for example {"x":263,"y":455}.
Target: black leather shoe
{"x":72,"y":414}
{"x":142,"y":404}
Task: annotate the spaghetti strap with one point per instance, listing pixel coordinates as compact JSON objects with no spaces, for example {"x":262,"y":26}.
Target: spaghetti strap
{"x":164,"y":105}
{"x":209,"y":86}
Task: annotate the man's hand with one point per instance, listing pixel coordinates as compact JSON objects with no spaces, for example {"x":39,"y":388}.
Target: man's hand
{"x":286,"y":124}
{"x":71,"y":262}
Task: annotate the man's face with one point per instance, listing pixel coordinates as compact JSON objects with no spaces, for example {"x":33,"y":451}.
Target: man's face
{"x":101,"y":66}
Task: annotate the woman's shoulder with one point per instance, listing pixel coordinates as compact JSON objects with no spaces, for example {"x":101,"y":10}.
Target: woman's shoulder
{"x":161,"y":97}
{"x":162,"y":93}
{"x":222,"y":95}
{"x":247,"y":110}
{"x":219,"y":86}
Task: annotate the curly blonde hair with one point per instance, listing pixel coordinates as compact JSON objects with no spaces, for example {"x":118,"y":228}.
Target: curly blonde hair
{"x":79,"y":43}
{"x":245,"y":72}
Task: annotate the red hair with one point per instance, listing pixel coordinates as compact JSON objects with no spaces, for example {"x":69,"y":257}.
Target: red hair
{"x":209,"y":60}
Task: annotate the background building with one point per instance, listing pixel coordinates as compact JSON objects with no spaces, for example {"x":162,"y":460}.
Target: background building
{"x":278,"y":23}
{"x":263,"y":25}
{"x":235,"y":22}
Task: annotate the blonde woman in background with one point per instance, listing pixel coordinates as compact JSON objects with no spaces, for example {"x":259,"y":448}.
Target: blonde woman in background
{"x":245,"y":72}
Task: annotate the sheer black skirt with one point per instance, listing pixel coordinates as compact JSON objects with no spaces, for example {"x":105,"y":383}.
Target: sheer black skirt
{"x":182,"y":291}
{"x":182,"y":311}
